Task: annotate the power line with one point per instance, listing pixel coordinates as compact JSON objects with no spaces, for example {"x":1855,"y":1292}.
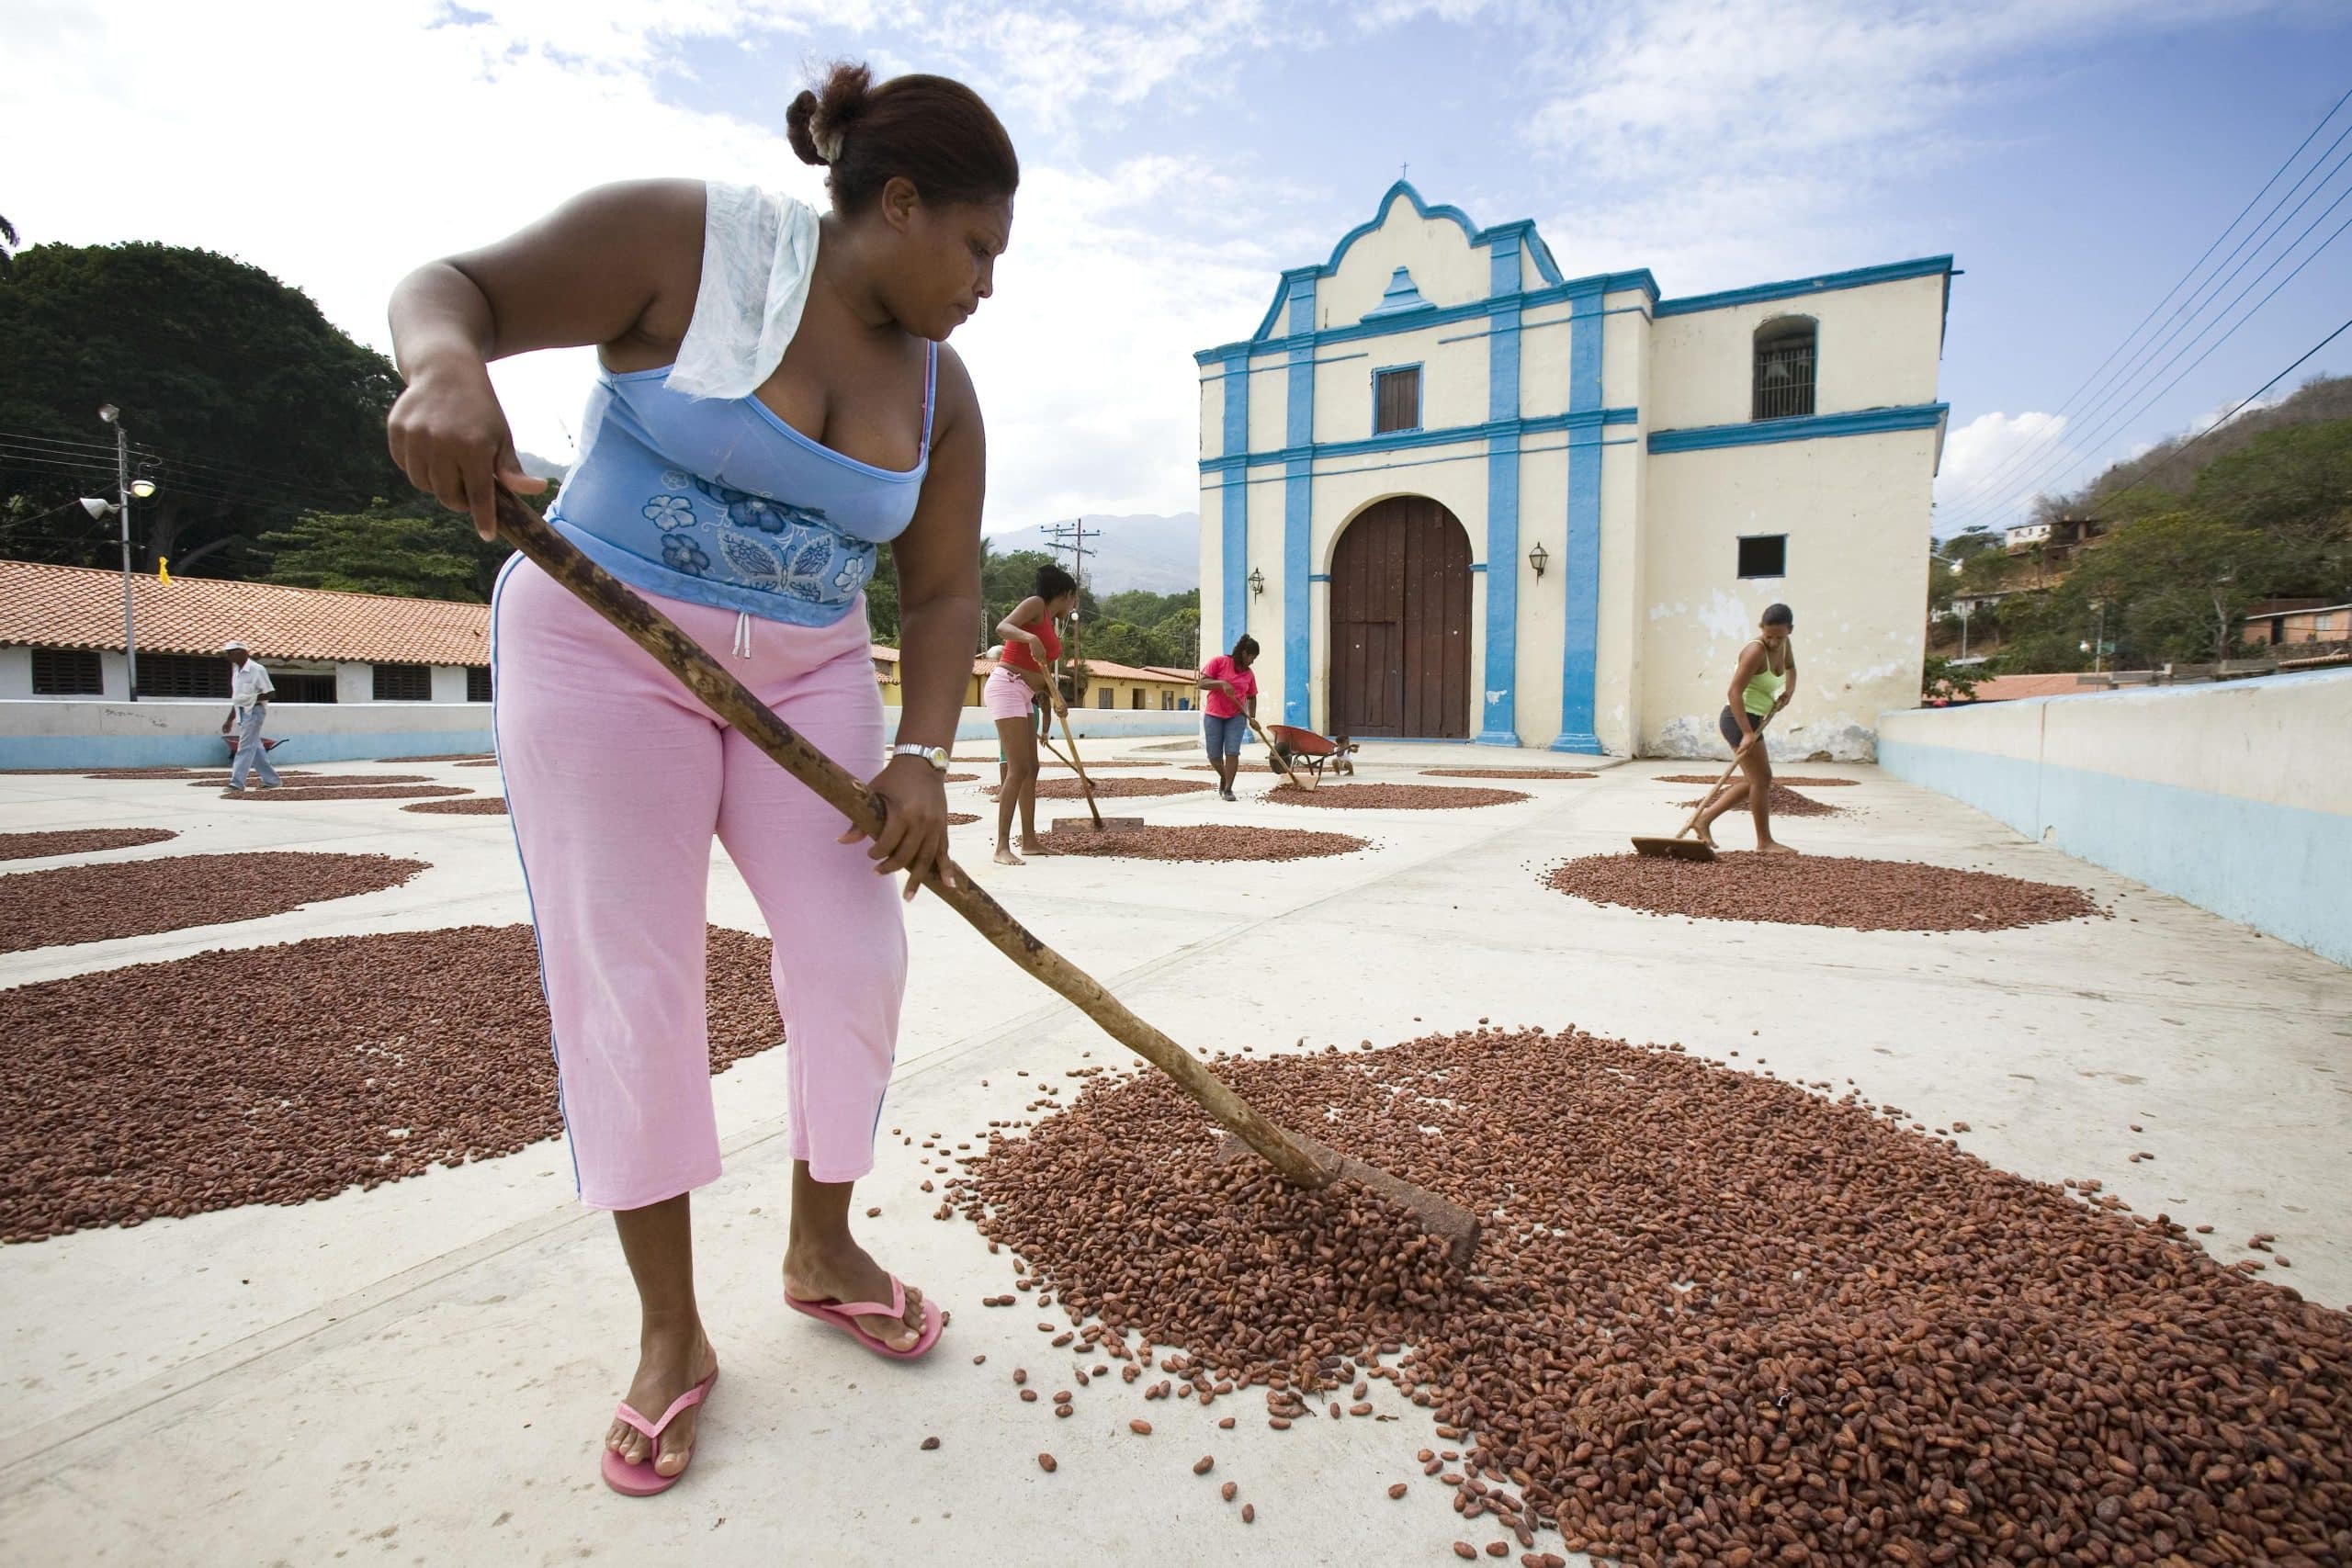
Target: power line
{"x":2242,"y":402}
{"x":2033,"y":451}
{"x":218,"y":471}
{"x":2065,"y":465}
{"x":199,"y":487}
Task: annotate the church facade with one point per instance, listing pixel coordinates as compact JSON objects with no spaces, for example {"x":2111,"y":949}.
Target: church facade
{"x":1456,"y":495}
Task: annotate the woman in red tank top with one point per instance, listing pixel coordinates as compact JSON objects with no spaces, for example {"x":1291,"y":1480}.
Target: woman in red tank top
{"x":1032,"y":635}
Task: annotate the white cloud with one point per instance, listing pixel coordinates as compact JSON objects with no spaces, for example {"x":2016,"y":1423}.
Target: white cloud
{"x":1988,"y":458}
{"x":1720,"y":141}
{"x":338,"y":147}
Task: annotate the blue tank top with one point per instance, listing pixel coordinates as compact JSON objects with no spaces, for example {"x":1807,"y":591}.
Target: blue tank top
{"x":718,"y":501}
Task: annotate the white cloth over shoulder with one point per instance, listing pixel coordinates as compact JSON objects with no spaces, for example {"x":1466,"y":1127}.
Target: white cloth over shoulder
{"x":758,"y":250}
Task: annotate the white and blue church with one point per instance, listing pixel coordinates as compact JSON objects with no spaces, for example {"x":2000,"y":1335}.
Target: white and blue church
{"x":1456,"y":495}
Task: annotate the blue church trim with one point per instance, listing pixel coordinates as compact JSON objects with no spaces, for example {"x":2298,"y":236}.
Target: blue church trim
{"x":1298,"y":423}
{"x":1499,"y":696}
{"x":1763,"y":432}
{"x":1298,"y":501}
{"x":1298,"y":620}
{"x":1580,"y":563}
{"x":1401,"y":296}
{"x":1519,"y":233}
{"x":1436,"y":316}
{"x":1234,"y":618}
{"x":1444,"y":435}
{"x":1797,"y":288}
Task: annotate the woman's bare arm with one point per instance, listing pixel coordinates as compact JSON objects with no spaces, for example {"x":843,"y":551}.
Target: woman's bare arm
{"x":617,"y":267}
{"x":938,"y":560}
{"x":1015,"y":624}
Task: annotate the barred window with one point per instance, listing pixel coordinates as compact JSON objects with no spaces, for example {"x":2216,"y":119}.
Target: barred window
{"x":476,"y":683}
{"x":303,"y":686}
{"x":1784,"y":363}
{"x":403,"y":684}
{"x":66,"y":672}
{"x":182,"y":675}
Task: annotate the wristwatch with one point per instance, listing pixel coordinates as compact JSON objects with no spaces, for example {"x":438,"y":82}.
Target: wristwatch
{"x":935,"y":755}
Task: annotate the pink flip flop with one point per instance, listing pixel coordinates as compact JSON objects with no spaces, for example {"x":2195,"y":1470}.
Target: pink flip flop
{"x":641,"y":1479}
{"x":844,"y":1315}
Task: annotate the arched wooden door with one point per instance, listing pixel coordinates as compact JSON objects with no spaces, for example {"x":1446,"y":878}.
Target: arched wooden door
{"x":1400,"y":622}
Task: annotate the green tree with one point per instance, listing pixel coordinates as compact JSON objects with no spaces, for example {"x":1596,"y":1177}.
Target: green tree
{"x":2176,"y":587}
{"x":1175,"y":641}
{"x":1118,"y":642}
{"x":1007,"y":580}
{"x":1941,"y":680}
{"x":247,"y":406}
{"x":413,"y":548}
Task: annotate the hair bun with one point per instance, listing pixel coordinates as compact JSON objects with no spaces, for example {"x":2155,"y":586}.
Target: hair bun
{"x":818,"y":119}
{"x":796,"y":119}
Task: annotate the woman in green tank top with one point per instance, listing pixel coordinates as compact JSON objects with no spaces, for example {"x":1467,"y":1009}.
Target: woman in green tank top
{"x":1761,"y":684}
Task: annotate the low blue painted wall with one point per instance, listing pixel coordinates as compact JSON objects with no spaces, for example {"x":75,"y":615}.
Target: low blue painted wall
{"x":69,"y":734}
{"x":2254,"y":821}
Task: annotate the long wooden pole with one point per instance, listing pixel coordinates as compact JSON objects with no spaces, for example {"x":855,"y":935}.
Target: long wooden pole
{"x":730,"y":700}
{"x":1069,"y":738}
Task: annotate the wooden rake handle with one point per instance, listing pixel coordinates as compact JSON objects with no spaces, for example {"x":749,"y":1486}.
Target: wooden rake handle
{"x":1069,"y":738}
{"x":723,"y":694}
{"x":1273,"y":751}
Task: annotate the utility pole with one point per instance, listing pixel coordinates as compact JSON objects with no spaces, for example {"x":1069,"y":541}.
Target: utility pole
{"x":1073,"y":536}
{"x":113,"y":416}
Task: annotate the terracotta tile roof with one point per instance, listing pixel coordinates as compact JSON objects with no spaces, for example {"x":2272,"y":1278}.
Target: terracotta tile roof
{"x":2009,"y":688}
{"x":1105,"y":670}
{"x":72,"y":607}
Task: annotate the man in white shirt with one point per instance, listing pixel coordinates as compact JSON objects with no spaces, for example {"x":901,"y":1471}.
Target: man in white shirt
{"x":249,"y":689}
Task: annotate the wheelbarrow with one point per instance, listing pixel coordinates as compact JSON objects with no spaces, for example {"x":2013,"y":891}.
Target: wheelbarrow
{"x":1294,"y":747}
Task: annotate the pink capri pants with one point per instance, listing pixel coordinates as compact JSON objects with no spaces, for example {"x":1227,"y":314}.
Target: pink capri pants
{"x":616,"y":780}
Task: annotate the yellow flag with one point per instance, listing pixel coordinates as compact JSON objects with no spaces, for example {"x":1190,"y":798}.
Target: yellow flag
{"x":163,"y":568}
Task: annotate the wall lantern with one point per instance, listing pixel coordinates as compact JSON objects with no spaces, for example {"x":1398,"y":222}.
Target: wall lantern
{"x":1256,"y":583}
{"x":1538,"y":559}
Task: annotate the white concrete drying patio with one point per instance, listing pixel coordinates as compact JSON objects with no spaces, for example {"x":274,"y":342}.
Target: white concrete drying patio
{"x":421,"y":1372}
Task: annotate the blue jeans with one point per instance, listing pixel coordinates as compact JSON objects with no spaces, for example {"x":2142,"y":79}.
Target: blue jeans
{"x":1224,"y":736}
{"x":251,"y":752}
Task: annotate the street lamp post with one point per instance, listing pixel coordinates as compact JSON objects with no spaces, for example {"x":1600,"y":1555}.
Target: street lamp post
{"x":113,"y":416}
{"x":125,"y":489}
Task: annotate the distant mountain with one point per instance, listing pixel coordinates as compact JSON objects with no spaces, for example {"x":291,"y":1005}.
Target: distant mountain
{"x":1161,"y":554}
{"x":540,"y":467}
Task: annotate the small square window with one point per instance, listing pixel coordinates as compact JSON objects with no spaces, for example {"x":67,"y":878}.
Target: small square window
{"x":1397,"y":400}
{"x":73,"y":673}
{"x":1764,"y":554}
{"x":476,"y":683}
{"x":1104,"y":699}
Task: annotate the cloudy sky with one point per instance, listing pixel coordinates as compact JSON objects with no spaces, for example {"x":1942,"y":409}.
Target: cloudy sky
{"x":2076,"y":155}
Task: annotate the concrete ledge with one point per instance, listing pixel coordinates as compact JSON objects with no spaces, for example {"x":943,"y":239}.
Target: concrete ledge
{"x":164,"y":732}
{"x":2255,"y":822}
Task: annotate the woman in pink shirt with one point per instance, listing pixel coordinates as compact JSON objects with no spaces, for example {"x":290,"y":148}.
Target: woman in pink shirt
{"x":1225,"y":711}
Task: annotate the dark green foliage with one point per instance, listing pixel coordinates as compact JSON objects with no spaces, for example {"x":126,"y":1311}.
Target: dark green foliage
{"x":244,"y":404}
{"x":414,"y":548}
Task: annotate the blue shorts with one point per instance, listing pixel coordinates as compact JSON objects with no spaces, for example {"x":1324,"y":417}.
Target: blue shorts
{"x":1224,"y":736}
